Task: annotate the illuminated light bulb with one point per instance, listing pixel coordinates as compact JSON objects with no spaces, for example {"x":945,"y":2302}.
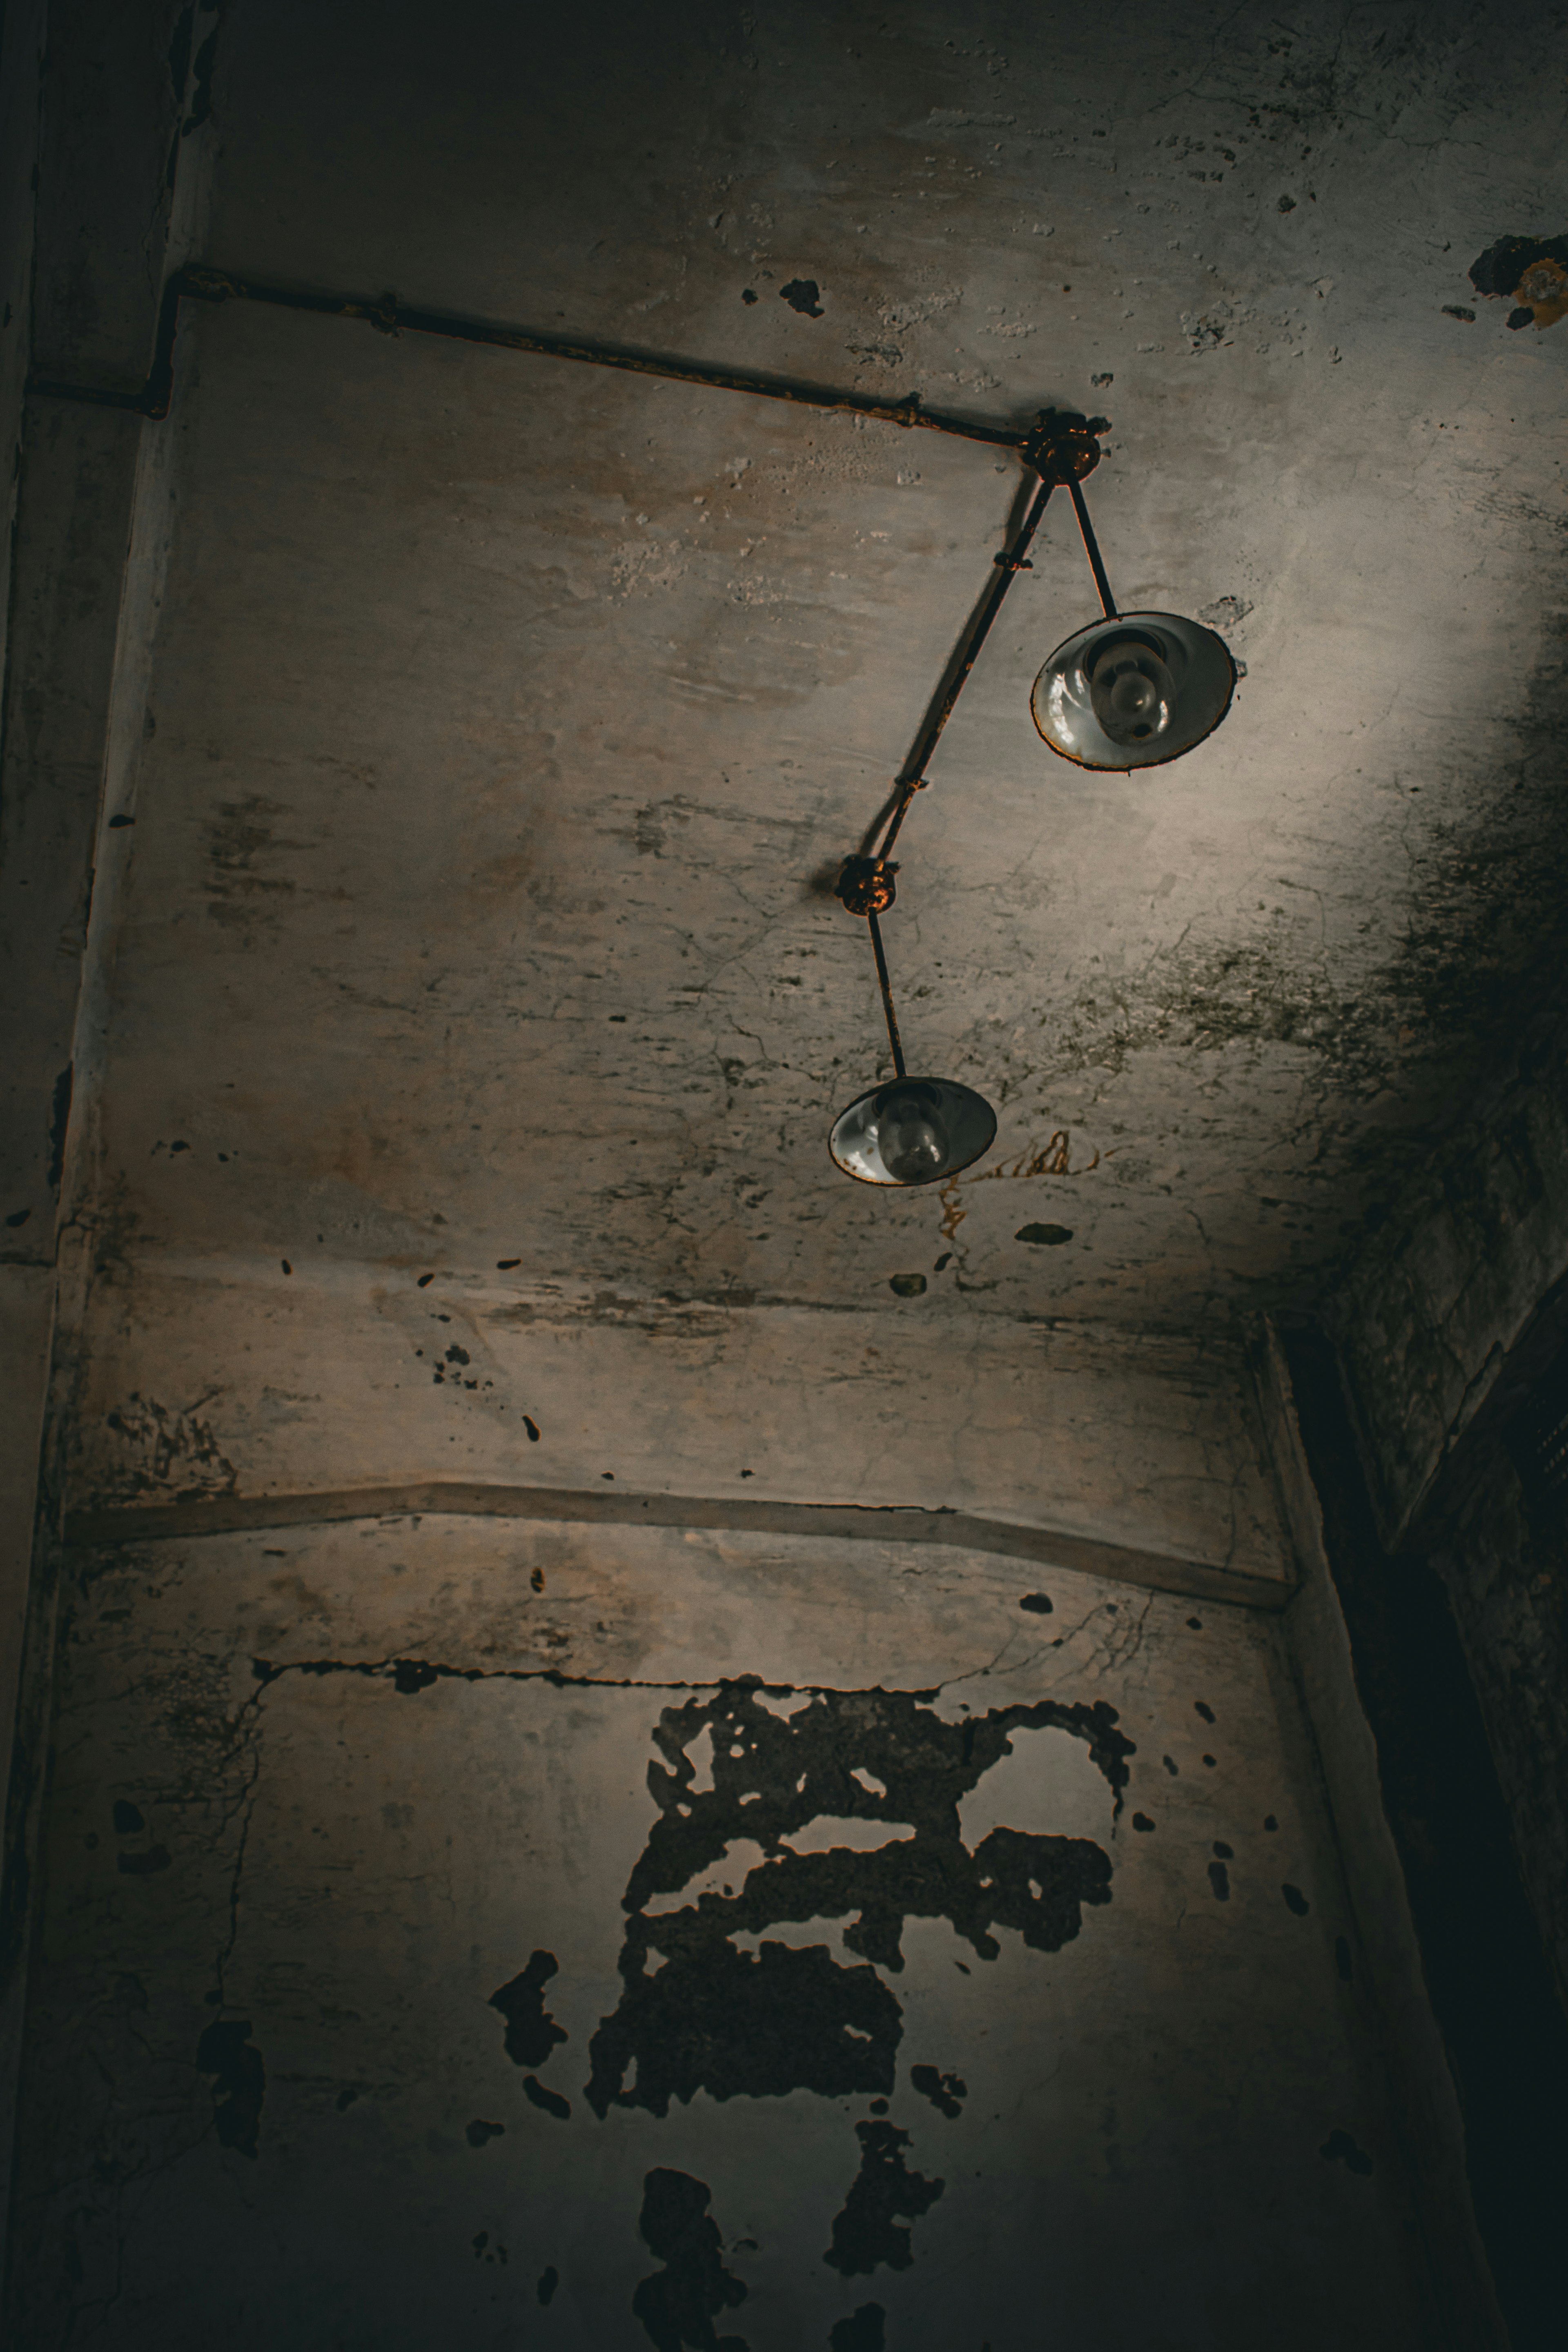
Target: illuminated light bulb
{"x":912,"y":1131}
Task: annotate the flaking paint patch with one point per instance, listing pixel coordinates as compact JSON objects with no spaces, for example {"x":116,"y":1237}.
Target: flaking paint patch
{"x":532,"y":2034}
{"x":385,"y":2045}
{"x":883,"y":2198}
{"x":710,"y":2015}
{"x":946,"y":2092}
{"x":678,"y":2303}
{"x":864,"y":2330}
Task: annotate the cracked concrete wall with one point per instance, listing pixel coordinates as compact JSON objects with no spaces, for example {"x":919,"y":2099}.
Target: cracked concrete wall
{"x":411,"y":1894}
{"x":341,"y":1379}
{"x":459,"y":768}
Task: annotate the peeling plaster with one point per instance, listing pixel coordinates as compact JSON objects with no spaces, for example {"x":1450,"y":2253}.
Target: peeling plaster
{"x":306,"y":1812}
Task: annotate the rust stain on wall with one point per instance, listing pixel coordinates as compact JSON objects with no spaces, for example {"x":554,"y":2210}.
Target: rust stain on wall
{"x":1533,"y":271}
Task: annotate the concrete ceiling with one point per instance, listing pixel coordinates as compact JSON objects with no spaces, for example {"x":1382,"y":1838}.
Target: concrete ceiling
{"x":509,"y":718}
{"x":426,"y":768}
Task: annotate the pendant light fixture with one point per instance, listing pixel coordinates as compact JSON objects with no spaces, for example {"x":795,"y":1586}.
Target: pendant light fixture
{"x":914,"y":1131}
{"x":1132,"y":690}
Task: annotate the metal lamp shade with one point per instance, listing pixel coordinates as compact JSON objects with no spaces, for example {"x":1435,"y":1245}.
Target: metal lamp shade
{"x":912,"y":1132}
{"x":1134,"y":691}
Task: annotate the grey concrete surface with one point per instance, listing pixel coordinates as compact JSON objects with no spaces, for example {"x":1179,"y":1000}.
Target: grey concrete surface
{"x":426,"y":768}
{"x":262,"y":1823}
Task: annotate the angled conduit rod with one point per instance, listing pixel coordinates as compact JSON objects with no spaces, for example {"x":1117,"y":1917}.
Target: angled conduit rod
{"x":390,"y":317}
{"x":1091,"y":549}
{"x":1009,"y":565}
{"x":886,"y":986}
{"x":1060,"y":448}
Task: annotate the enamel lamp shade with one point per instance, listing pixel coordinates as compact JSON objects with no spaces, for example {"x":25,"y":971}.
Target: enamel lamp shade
{"x":1133,"y":691}
{"x":912,"y":1132}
